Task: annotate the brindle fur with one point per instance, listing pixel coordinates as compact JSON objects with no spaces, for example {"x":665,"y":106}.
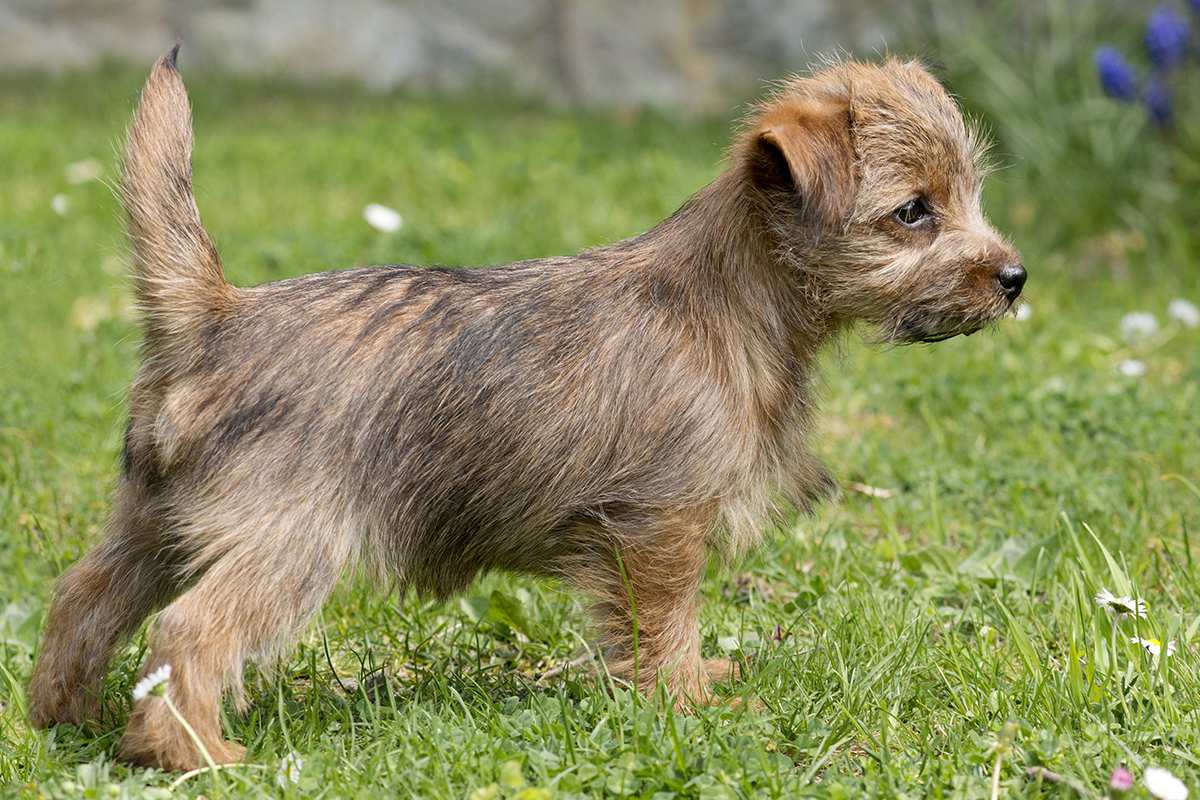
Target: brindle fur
{"x":609,"y":419}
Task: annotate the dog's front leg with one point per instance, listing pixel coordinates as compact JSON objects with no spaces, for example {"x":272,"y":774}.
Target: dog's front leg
{"x":645,"y":604}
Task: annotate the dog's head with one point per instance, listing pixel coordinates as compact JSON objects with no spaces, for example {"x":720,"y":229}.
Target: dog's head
{"x":872,"y":185}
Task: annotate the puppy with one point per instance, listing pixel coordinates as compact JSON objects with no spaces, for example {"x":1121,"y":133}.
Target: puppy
{"x":608,"y":419}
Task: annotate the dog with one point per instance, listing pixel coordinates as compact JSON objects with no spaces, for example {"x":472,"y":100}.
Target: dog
{"x":609,"y":419}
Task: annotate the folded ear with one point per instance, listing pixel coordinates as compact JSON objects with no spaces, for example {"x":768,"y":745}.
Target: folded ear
{"x":805,"y":149}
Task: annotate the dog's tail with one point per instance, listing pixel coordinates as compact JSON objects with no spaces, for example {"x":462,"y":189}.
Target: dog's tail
{"x":177,"y":272}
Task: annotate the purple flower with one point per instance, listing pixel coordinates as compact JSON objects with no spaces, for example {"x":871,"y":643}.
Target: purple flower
{"x":1158,"y":101}
{"x":1122,"y":779}
{"x":1116,"y":76}
{"x":1166,"y":37}
{"x":1196,"y":6}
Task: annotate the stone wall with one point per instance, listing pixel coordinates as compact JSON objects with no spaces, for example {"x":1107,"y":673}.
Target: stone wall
{"x":693,"y":54}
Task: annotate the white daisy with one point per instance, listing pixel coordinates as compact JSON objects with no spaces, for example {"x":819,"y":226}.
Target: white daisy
{"x":1138,"y":325}
{"x":1163,"y":785}
{"x":289,"y":769}
{"x":382,"y":218}
{"x":1132,"y":368}
{"x":1123,"y":606}
{"x":89,"y":169}
{"x":1153,"y":646}
{"x":1184,"y":312}
{"x":148,"y":684}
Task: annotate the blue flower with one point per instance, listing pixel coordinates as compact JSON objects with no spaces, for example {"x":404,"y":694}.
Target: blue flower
{"x":1166,"y":37}
{"x":1158,"y":101}
{"x":1116,"y":76}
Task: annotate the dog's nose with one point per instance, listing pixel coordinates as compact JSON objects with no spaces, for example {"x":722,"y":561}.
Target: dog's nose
{"x":1011,"y":278}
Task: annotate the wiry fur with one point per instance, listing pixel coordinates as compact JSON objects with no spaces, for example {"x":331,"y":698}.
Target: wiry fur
{"x":608,"y":418}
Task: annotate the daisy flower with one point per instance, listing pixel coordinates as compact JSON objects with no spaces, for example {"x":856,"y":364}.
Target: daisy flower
{"x":1184,"y":312}
{"x":83,"y":171}
{"x":1123,"y":606}
{"x":289,"y":769}
{"x":1163,"y":785}
{"x":1132,"y":368}
{"x":1153,"y":646}
{"x":1138,"y":325}
{"x":382,"y":218}
{"x":148,"y":684}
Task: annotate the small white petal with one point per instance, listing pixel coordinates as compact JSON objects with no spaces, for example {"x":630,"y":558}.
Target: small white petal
{"x":728,"y":643}
{"x":289,"y":769}
{"x":1163,"y":785}
{"x":1184,"y":312}
{"x":382,"y":218}
{"x":61,"y":204}
{"x":1138,"y":325}
{"x":89,"y":169}
{"x":1023,"y":312}
{"x":151,"y":682}
{"x":1132,"y":368}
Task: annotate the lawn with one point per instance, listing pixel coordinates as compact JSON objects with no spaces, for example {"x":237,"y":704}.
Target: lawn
{"x":900,"y":642}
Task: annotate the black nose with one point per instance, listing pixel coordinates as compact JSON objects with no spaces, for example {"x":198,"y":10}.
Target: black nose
{"x":1011,"y":278}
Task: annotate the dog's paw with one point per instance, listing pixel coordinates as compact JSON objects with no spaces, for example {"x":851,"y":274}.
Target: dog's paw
{"x":720,"y":670}
{"x":58,"y":705}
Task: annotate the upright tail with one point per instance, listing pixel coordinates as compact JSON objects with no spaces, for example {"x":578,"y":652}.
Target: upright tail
{"x":177,"y":272}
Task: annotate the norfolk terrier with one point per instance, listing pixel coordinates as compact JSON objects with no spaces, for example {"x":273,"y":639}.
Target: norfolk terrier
{"x":609,"y":419}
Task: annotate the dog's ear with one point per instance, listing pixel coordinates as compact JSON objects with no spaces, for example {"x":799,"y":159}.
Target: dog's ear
{"x":805,"y":149}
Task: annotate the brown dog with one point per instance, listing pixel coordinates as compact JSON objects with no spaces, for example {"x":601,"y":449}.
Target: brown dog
{"x":608,"y":419}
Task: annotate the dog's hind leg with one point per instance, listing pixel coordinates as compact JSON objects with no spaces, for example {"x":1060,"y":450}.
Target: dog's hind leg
{"x":97,"y":604}
{"x":271,"y":575}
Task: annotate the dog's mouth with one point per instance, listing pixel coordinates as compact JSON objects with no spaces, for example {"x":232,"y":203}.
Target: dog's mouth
{"x":941,"y":337}
{"x":915,"y":331}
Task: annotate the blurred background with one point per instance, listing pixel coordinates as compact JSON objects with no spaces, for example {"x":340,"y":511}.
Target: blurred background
{"x":691,"y":54}
{"x":1034,"y":72}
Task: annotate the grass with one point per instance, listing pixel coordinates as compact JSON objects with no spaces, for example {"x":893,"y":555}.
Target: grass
{"x":899,"y":646}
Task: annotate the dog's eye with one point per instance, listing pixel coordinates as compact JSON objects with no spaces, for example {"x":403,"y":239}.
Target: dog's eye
{"x":912,"y":213}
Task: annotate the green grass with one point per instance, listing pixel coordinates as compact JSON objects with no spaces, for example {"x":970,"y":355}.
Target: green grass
{"x":888,"y":641}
